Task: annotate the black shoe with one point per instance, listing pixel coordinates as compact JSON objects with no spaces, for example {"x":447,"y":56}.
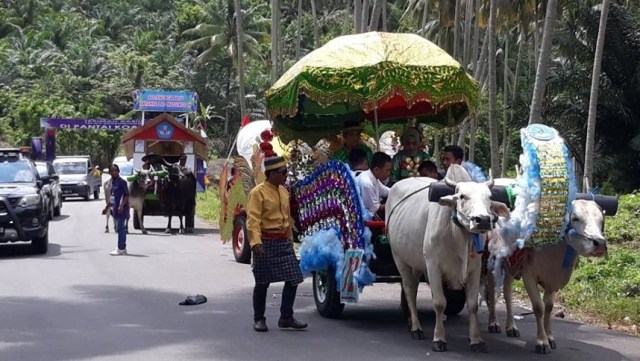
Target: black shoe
{"x":260,"y":326}
{"x":291,"y":323}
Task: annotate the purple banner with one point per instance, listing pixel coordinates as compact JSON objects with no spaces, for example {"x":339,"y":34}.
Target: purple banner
{"x":99,"y":124}
{"x":50,"y":144}
{"x":36,"y":148}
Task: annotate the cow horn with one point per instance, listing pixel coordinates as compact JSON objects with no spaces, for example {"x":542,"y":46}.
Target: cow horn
{"x":136,"y":170}
{"x":451,"y":183}
{"x":489,"y":183}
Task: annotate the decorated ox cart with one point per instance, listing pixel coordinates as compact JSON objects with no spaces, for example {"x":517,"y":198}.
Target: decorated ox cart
{"x":168,"y":140}
{"x":373,"y":77}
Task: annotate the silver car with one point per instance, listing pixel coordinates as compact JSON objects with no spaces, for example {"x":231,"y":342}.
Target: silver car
{"x":51,"y":187}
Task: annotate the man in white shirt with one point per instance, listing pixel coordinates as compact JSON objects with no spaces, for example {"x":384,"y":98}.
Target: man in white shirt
{"x":371,"y":187}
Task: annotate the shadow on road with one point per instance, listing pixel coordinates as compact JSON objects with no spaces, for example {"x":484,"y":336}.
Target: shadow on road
{"x":126,"y":320}
{"x":24,"y":250}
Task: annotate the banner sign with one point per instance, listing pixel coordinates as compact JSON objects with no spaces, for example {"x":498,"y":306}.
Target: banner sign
{"x":100,"y":124}
{"x":165,"y":101}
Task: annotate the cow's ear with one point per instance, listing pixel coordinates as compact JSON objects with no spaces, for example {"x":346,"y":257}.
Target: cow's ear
{"x":448,"y":201}
{"x":500,"y":209}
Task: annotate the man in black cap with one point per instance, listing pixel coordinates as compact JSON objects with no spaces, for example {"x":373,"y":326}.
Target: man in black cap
{"x":269,"y":226}
{"x":152,"y":161}
{"x":351,"y":136}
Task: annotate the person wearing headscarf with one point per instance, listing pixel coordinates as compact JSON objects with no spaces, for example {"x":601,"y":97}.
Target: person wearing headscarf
{"x":407,"y":161}
{"x":351,"y":133}
{"x":269,"y":226}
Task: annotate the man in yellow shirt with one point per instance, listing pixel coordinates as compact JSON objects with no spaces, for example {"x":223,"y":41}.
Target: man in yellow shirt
{"x":269,"y":227}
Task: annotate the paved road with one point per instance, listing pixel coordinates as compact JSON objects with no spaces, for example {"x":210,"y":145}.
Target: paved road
{"x":79,"y":303}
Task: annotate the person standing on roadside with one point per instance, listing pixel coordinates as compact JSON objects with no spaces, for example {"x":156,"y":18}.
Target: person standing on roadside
{"x":120,"y":208}
{"x":269,"y":226}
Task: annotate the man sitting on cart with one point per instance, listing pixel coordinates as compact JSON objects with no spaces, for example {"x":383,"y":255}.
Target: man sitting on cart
{"x":371,"y":187}
{"x":351,"y":137}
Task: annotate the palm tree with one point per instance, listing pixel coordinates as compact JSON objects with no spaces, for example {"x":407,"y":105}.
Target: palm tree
{"x":220,"y":37}
{"x":240,"y":51}
{"x":593,"y":101}
{"x":275,"y":36}
{"x":493,"y":123}
{"x":542,"y":69}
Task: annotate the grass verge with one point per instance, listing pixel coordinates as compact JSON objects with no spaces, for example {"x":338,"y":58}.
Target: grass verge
{"x":208,"y":206}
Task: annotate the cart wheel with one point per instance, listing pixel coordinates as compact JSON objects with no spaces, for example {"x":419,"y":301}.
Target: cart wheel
{"x":455,"y":301}
{"x":240,"y":243}
{"x":326,"y":295}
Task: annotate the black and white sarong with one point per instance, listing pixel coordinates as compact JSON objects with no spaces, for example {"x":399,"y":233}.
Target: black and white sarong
{"x":278,"y":264}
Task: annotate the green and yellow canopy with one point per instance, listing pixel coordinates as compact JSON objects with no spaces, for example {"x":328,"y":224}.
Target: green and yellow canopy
{"x":398,"y":76}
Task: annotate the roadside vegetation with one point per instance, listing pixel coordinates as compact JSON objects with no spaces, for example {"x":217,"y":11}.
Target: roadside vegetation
{"x":208,"y":206}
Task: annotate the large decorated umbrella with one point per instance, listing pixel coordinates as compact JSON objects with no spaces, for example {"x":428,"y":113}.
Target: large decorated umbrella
{"x":376,"y":76}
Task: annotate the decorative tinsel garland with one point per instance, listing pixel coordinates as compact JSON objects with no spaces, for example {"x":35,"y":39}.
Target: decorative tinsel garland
{"x":331,"y":219}
{"x":545,"y":189}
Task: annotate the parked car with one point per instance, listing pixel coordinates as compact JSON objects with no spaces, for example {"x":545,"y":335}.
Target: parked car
{"x":24,"y":211}
{"x":52,"y":188}
{"x":76,"y":177}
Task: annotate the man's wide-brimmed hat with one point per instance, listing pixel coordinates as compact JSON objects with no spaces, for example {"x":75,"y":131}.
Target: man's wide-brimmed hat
{"x":150,"y":155}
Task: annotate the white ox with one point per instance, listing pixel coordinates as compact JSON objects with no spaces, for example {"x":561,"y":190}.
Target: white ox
{"x":548,"y":268}
{"x":425,"y":239}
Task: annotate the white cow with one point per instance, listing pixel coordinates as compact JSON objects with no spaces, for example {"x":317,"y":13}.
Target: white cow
{"x":425,"y":238}
{"x":549,"y":267}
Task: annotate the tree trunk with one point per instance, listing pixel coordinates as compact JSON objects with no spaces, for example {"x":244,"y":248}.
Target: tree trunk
{"x":543,"y":64}
{"x":466,"y":42}
{"x":275,"y":24}
{"x":316,"y":27}
{"x":514,"y":90}
{"x":456,"y":32}
{"x":298,"y":30}
{"x":505,"y":109}
{"x":476,"y":37}
{"x":365,"y":16}
{"x":593,"y":101}
{"x":225,"y":130}
{"x":493,"y":126}
{"x":375,"y":15}
{"x":425,"y":13}
{"x":357,"y":16}
{"x":384,"y":15}
{"x":536,"y":38}
{"x":240,"y":50}
{"x":480,"y":72}
{"x":463,"y":132}
{"x":472,"y":140}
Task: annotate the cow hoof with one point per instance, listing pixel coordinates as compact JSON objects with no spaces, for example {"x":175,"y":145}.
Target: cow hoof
{"x":181,"y":231}
{"x":513,"y":332}
{"x":543,"y":349}
{"x":167,"y":231}
{"x":144,"y":232}
{"x":417,"y":335}
{"x":439,"y":346}
{"x":552,"y":344}
{"x":479,"y":347}
{"x":106,"y":230}
{"x":494,"y":328}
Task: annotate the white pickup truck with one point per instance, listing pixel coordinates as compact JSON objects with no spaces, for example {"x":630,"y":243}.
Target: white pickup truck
{"x":77,"y":177}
